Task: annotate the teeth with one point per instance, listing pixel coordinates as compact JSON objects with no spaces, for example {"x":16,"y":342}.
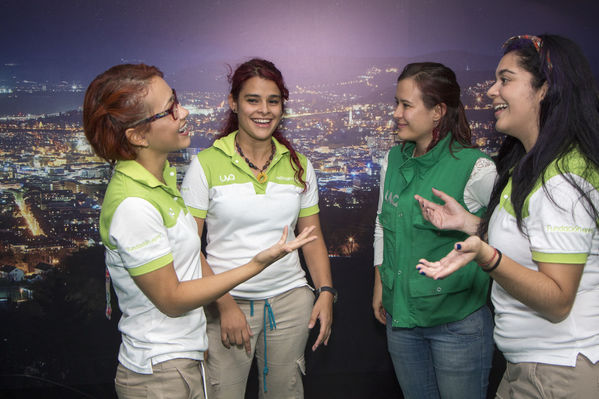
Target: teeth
{"x":500,"y":106}
{"x":261,"y":120}
{"x":182,"y":129}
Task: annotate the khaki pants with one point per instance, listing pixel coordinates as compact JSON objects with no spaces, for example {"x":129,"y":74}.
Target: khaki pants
{"x":546,"y":381}
{"x":173,"y":379}
{"x":227,"y":369}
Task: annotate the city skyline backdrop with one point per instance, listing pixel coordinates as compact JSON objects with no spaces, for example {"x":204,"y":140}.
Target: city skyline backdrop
{"x":340,"y":60}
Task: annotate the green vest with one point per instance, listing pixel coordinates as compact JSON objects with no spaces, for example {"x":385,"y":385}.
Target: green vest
{"x":414,"y":300}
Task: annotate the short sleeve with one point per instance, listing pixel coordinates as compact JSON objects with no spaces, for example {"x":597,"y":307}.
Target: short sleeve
{"x":309,"y":198}
{"x":195,"y":189}
{"x":139,"y":234}
{"x":560,"y":229}
{"x":480,"y":185}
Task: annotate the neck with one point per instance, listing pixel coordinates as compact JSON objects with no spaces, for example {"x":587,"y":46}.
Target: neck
{"x":256,"y":150}
{"x":154,"y":164}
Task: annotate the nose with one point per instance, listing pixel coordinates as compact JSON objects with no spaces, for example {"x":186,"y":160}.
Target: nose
{"x":264,"y":107}
{"x":492,"y":92}
{"x":398,"y":113}
{"x":183,"y":112}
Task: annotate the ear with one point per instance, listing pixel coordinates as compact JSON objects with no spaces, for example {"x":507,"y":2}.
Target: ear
{"x":232,"y":103}
{"x":136,"y":137}
{"x":543,"y":91}
{"x":439,"y":111}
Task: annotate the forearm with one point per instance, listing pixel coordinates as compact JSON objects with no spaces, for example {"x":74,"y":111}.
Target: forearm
{"x":471,"y":223}
{"x":550,"y":290}
{"x":188,"y":295}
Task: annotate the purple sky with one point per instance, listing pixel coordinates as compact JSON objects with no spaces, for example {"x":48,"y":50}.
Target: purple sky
{"x":76,"y":39}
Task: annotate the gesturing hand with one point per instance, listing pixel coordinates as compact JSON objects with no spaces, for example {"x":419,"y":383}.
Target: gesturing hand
{"x":282,"y":247}
{"x":463,"y":253}
{"x":449,"y":216}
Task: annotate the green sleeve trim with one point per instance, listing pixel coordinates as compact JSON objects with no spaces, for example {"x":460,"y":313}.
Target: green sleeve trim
{"x":198,"y":213}
{"x":313,"y":210}
{"x":153,"y":265}
{"x":580,"y":258}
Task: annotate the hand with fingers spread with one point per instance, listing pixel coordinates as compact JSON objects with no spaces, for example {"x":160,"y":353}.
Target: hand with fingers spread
{"x":282,"y":247}
{"x":463,"y":253}
{"x":449,"y":216}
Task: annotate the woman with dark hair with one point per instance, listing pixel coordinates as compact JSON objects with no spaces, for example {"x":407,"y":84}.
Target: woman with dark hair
{"x":252,"y":182}
{"x":542,"y":221}
{"x":132,"y":119}
{"x":438,"y":333}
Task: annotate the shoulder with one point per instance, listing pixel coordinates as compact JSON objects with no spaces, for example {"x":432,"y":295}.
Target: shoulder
{"x":575,"y":164}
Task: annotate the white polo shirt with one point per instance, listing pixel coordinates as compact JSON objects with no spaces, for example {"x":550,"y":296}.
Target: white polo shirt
{"x":144,"y":226}
{"x":562,"y":233}
{"x":244,"y":217}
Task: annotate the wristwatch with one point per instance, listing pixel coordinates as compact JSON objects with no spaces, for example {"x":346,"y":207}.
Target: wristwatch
{"x":328,"y":289}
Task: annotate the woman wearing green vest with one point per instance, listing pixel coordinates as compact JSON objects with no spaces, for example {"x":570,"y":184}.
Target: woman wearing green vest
{"x":542,"y":224}
{"x":438,"y":332}
{"x":132,"y":119}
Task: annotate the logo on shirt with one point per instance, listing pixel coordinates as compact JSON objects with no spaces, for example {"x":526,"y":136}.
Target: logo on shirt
{"x":392,"y":198}
{"x":226,"y":178}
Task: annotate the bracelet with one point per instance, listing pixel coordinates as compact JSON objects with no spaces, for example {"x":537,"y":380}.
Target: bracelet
{"x":483,"y":265}
{"x":496,"y":263}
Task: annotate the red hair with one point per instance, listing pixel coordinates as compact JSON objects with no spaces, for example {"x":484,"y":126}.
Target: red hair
{"x":265,"y":70}
{"x":113,"y":102}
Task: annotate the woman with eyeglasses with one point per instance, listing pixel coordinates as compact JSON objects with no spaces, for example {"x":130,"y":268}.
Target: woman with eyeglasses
{"x":132,"y":119}
{"x":542,"y":222}
{"x":244,"y":188}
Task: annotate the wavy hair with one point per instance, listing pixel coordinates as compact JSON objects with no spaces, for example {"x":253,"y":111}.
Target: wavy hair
{"x":265,"y":70}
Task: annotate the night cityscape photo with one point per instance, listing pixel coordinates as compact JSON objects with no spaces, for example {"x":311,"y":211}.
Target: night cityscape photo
{"x":340,"y":60}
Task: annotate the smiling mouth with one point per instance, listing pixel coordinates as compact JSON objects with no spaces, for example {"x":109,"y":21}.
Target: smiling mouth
{"x":499,"y":107}
{"x":183,"y":129}
{"x":261,"y":121}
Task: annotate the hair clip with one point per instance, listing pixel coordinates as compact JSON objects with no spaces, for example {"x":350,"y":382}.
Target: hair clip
{"x":536,"y":41}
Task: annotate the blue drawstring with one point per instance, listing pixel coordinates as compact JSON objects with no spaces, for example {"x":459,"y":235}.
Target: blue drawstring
{"x":251,"y":308}
{"x":273,"y":326}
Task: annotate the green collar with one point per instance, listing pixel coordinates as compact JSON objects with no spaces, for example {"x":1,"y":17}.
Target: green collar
{"x":431,"y":157}
{"x":137,"y":172}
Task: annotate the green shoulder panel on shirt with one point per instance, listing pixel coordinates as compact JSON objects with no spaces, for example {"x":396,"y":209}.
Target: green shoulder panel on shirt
{"x":130,"y":179}
{"x":573,"y":163}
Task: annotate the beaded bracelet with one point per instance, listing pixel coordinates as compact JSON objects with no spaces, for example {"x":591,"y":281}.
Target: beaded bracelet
{"x":496,"y":263}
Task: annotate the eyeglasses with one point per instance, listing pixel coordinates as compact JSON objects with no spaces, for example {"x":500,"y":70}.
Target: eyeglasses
{"x":172,"y":110}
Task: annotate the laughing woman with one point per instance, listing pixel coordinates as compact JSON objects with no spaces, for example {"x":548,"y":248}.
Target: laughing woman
{"x":244,"y":188}
{"x":132,"y":119}
{"x":438,"y":334}
{"x":542,"y":223}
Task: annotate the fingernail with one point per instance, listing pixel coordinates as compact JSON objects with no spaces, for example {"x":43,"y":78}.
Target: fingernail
{"x":458,"y":246}
{"x":422,"y":273}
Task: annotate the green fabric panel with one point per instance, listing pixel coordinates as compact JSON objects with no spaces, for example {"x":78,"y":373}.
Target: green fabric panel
{"x":153,"y":265}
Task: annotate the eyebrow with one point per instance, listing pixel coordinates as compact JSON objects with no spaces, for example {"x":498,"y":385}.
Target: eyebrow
{"x":505,"y":70}
{"x":258,"y":96}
